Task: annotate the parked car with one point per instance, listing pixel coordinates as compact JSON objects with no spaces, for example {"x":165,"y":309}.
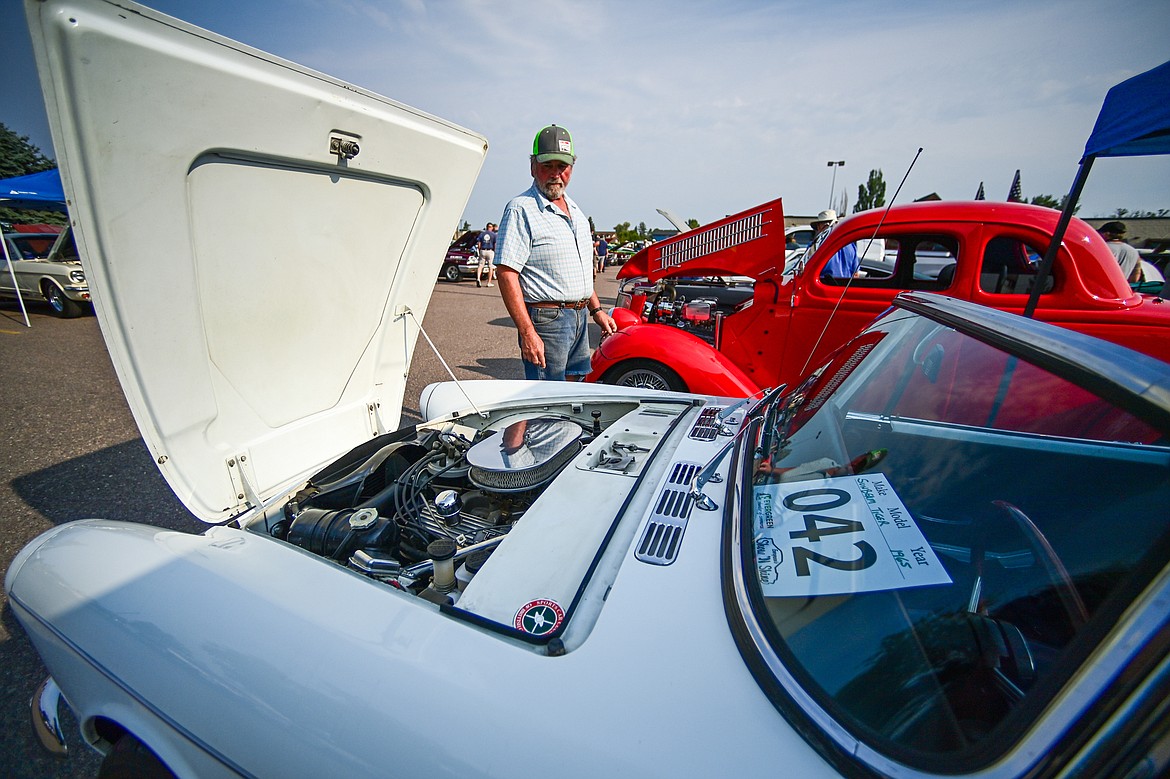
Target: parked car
{"x":797,"y":239}
{"x":1156,"y":251}
{"x":707,"y":339}
{"x":945,"y":552}
{"x":620,"y":254}
{"x":1152,"y":282}
{"x":47,"y":268}
{"x":461,"y":259}
{"x":29,"y":245}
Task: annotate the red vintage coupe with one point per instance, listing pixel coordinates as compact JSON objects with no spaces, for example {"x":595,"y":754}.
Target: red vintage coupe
{"x":719,"y":310}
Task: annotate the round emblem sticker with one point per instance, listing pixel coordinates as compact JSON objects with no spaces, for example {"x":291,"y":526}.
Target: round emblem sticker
{"x":540,"y":617}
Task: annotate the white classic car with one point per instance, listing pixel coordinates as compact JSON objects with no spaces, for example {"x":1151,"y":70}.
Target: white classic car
{"x":45,"y":265}
{"x":945,"y":553}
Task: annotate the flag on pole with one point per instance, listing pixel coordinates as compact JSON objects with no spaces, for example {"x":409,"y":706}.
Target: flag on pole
{"x":1016,"y":195}
{"x":979,"y":195}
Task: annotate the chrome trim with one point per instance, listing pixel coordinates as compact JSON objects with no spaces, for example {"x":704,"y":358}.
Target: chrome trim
{"x":709,"y":473}
{"x":45,"y":708}
{"x":1148,"y":454}
{"x":1106,"y":738}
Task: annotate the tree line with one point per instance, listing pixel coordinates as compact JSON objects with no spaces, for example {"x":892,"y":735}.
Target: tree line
{"x":872,"y":194}
{"x":19,"y":157}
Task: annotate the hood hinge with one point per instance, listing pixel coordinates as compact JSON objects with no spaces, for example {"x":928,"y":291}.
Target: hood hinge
{"x":240,"y":472}
{"x":376,"y":425}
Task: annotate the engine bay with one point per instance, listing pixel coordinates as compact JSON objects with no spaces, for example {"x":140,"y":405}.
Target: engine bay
{"x":425,"y":510}
{"x":696,"y":305}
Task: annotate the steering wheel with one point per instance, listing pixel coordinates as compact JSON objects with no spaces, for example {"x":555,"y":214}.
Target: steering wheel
{"x":1006,"y":650}
{"x":1058,"y":574}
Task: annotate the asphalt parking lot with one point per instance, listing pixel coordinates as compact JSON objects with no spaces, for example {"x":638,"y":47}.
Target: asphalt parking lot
{"x":69,"y":449}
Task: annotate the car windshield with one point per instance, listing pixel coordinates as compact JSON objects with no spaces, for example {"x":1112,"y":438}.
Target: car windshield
{"x":30,"y":246}
{"x":937,"y":535}
{"x":466,"y":241}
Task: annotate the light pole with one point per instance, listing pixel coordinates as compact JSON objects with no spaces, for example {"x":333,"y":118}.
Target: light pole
{"x":834,"y":166}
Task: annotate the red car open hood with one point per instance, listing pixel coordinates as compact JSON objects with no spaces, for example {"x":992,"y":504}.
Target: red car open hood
{"x":749,"y":243}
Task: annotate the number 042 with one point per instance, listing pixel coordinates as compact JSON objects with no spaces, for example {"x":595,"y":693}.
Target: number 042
{"x":817,"y":526}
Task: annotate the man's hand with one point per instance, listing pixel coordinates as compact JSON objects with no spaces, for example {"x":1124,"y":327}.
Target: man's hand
{"x":606,"y":323}
{"x":532,"y":347}
{"x":531,"y":344}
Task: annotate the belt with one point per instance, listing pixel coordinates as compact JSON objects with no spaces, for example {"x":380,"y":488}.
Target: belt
{"x":574,"y":304}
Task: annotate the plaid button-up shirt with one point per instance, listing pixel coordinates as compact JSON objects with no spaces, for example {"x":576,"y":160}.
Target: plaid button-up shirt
{"x":551,"y":251}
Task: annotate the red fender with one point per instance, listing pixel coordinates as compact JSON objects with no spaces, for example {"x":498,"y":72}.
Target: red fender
{"x":705,"y":371}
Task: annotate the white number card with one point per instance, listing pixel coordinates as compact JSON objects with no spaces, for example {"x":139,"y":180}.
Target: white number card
{"x":839,"y":535}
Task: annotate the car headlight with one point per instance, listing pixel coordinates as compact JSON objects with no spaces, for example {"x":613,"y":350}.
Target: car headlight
{"x":77,"y":277}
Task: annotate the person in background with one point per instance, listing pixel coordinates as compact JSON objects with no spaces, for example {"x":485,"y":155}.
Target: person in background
{"x":1127,"y":256}
{"x":601,"y":249}
{"x":487,"y":255}
{"x":544,"y":263}
{"x":846,"y":262}
{"x":821,"y":227}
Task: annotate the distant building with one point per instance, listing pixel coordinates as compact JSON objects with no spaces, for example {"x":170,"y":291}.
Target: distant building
{"x":1141,"y":233}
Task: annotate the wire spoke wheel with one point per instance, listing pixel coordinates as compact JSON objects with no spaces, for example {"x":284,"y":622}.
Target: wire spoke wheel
{"x":646,"y":374}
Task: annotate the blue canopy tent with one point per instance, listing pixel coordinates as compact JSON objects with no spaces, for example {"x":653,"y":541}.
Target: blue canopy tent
{"x":37,"y":191}
{"x":1134,"y":121}
{"x":40,"y":191}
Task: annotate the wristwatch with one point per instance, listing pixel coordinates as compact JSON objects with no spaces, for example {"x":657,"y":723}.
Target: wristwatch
{"x":593,"y":311}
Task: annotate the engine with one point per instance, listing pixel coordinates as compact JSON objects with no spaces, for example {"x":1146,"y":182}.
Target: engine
{"x":695,"y":305}
{"x":424,"y":513}
{"x":697,"y":317}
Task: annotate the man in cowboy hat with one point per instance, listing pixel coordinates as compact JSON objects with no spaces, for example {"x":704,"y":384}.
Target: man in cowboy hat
{"x":845,"y":262}
{"x":821,"y":225}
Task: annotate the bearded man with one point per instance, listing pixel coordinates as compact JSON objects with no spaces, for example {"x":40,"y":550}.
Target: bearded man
{"x":544,"y":266}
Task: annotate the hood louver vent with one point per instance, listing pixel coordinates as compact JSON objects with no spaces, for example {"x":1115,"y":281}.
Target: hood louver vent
{"x":662,"y":537}
{"x":707,"y":425}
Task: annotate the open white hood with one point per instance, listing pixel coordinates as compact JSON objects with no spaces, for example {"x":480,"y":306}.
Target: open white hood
{"x":250,"y":280}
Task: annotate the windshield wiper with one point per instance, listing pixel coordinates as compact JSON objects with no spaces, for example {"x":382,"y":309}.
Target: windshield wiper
{"x":708,"y":471}
{"x":726,"y":413}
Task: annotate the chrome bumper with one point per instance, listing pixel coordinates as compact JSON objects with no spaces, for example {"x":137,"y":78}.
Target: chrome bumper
{"x":46,"y":718}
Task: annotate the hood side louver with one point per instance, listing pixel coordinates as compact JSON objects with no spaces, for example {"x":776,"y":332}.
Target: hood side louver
{"x":707,"y":425}
{"x":660,"y":541}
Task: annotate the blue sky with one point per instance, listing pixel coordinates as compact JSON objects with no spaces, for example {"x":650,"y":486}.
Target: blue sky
{"x":709,"y":108}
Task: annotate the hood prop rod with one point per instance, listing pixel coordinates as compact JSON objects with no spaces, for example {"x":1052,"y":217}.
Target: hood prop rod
{"x":404,"y":312}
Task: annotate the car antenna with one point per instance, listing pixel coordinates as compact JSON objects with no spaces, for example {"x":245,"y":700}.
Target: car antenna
{"x":849,"y":281}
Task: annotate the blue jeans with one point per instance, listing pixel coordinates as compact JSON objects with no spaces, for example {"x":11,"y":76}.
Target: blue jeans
{"x":565,"y":333}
